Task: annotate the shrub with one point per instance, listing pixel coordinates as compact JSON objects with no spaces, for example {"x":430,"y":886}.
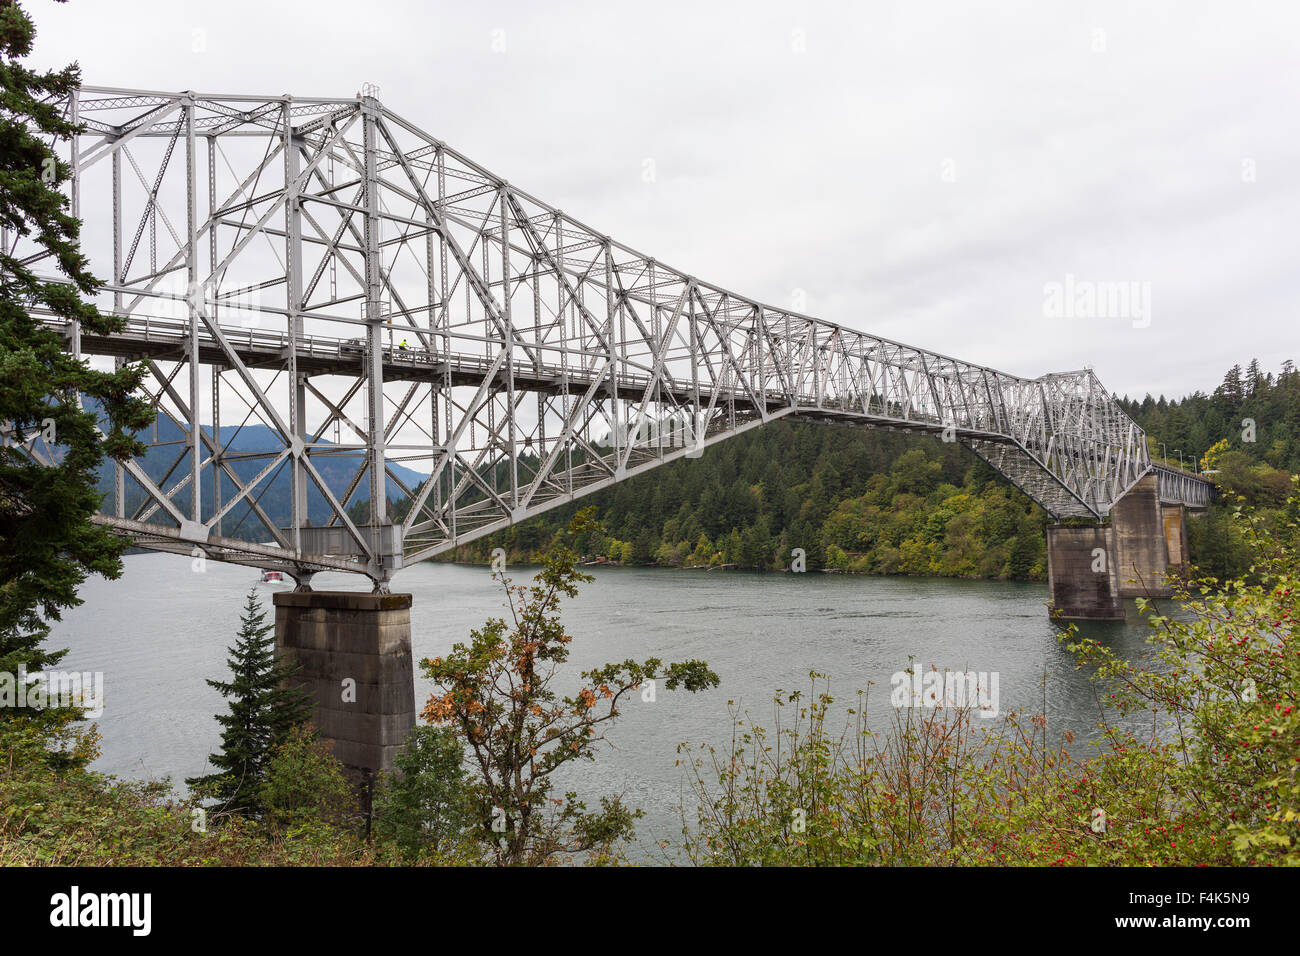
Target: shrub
{"x":304,"y":786}
{"x":423,"y":806}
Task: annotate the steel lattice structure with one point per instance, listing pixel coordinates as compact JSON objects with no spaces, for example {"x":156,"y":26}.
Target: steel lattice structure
{"x":271,"y":254}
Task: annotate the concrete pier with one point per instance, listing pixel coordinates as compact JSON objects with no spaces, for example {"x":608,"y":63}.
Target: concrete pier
{"x":1138,"y":534}
{"x":1081,"y":575}
{"x":1143,"y":542}
{"x":1175,"y":519}
{"x":354,"y":650}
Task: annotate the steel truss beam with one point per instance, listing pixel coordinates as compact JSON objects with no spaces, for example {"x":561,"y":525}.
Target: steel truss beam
{"x":304,"y":240}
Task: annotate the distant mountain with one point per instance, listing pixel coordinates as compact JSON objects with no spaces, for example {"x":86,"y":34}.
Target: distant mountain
{"x":273,"y":494}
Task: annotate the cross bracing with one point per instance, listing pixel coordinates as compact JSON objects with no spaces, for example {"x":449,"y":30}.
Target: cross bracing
{"x":377,"y":303}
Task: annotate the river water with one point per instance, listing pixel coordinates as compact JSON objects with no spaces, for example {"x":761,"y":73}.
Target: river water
{"x":161,"y":628}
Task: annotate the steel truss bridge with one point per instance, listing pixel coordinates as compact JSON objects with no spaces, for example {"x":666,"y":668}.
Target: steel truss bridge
{"x":273,"y":254}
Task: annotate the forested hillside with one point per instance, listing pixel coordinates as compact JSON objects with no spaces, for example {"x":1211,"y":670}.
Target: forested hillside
{"x":853,"y":500}
{"x":1257,"y":412}
{"x":1246,"y":434}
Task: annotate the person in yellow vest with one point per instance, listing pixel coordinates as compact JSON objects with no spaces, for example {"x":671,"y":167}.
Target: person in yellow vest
{"x":403,"y":346}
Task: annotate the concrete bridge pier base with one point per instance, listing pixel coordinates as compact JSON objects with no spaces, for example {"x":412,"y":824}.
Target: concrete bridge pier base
{"x":1092,"y":569}
{"x":354,"y":651}
{"x":1081,"y":575}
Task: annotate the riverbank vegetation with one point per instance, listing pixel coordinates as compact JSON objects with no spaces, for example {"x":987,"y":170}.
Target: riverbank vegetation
{"x":852,"y":500}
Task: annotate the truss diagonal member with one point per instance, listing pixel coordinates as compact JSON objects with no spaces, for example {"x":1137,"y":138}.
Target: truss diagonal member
{"x":431,"y":209}
{"x":724,"y":345}
{"x":449,"y":450}
{"x":217,"y":453}
{"x":563,"y":440}
{"x":111,"y":143}
{"x":244,"y":490}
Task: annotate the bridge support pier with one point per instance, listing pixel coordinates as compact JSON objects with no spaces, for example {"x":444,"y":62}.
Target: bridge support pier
{"x":1175,"y":521}
{"x":1092,"y":569}
{"x":1140,"y":551}
{"x":354,"y":651}
{"x":1080,"y":574}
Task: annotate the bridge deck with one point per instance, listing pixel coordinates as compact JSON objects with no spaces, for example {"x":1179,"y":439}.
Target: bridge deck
{"x":167,"y":340}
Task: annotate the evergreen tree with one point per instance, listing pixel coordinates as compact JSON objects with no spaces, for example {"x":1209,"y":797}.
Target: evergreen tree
{"x":1253,"y":378}
{"x":49,"y":542}
{"x":264,"y":710}
{"x":1231,"y":389}
{"x":643,"y":548}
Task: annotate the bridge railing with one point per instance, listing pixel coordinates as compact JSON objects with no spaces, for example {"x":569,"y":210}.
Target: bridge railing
{"x":1177,"y":487}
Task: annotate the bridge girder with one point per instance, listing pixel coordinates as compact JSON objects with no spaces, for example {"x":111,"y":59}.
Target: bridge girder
{"x":293,"y":243}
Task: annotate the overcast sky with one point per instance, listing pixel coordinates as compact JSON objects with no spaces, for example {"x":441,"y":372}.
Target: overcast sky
{"x":923,"y":171}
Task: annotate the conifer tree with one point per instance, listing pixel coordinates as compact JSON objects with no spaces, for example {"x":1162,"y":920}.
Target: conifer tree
{"x":1253,"y":378}
{"x":48,"y":468}
{"x":264,"y":709}
{"x":1232,"y":389}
